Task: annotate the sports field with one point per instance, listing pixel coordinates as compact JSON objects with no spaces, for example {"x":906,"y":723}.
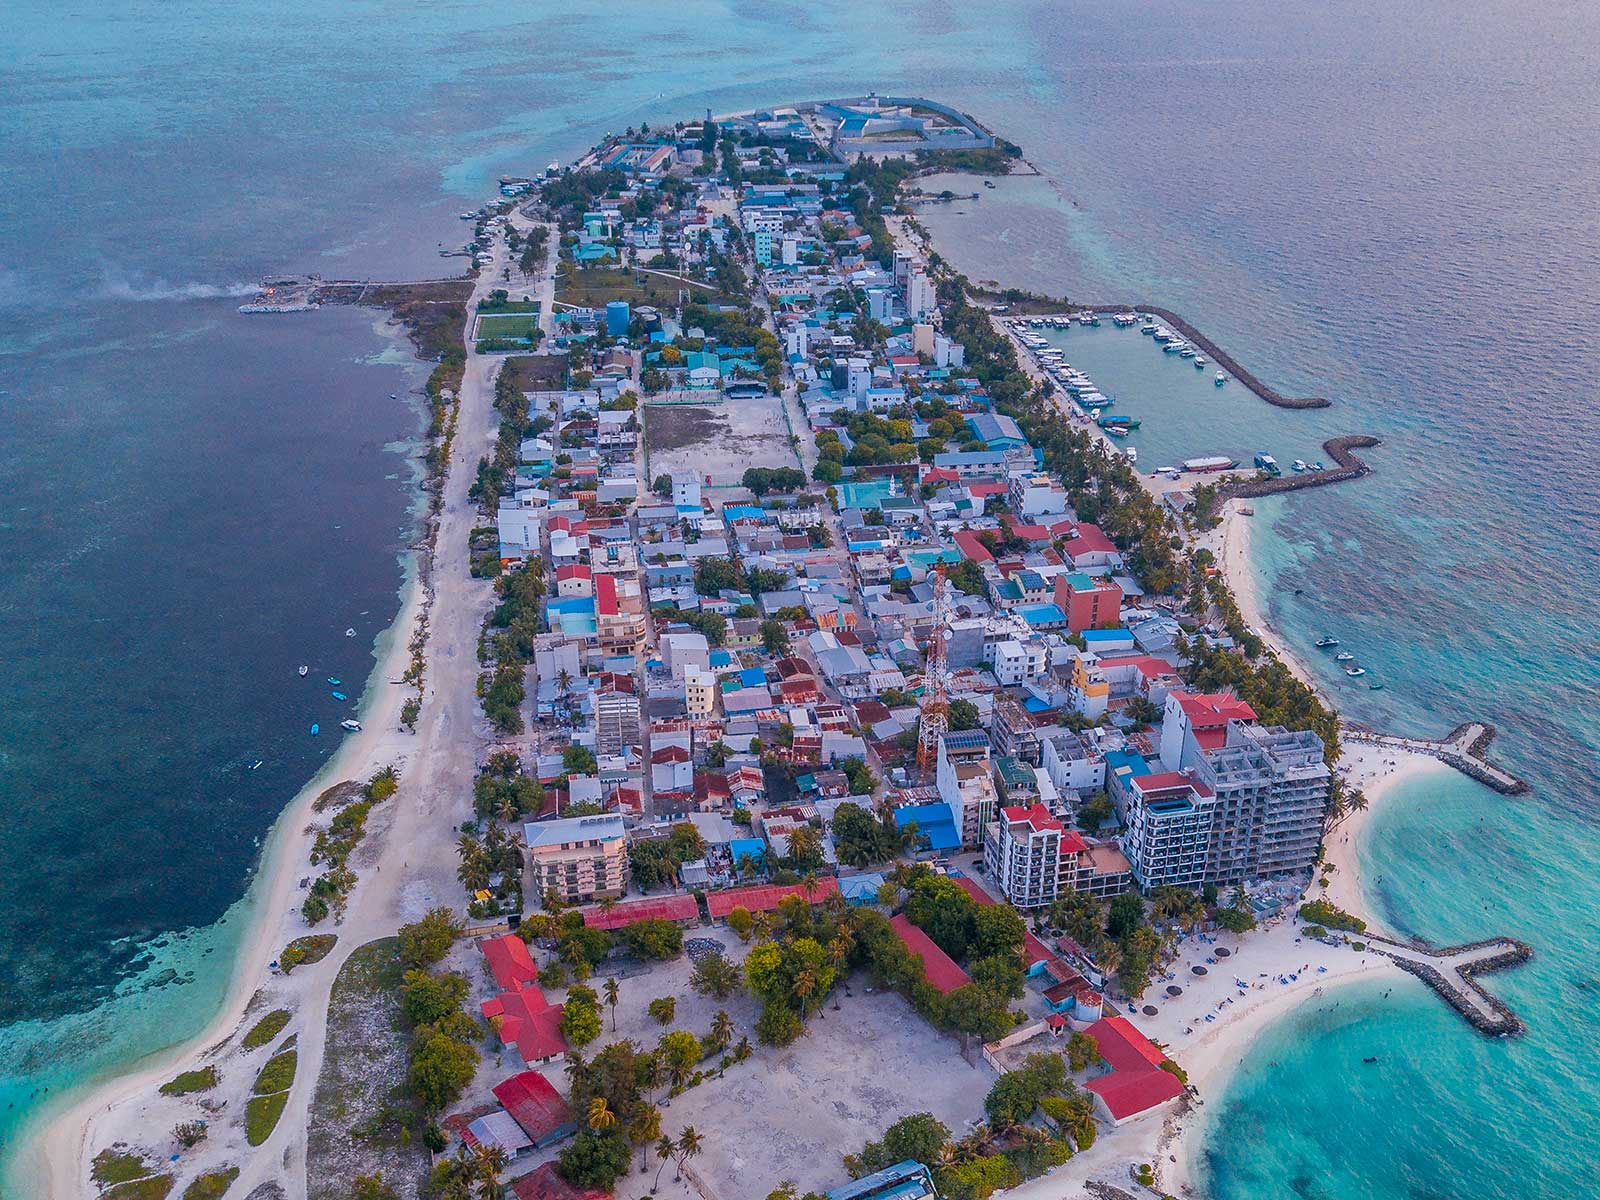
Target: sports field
{"x":507,"y":326}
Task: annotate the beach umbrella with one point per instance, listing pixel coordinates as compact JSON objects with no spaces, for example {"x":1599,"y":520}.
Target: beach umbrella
{"x":1149,"y":1010}
{"x":1223,"y":952}
{"x":1198,"y":969}
{"x":1174,"y":990}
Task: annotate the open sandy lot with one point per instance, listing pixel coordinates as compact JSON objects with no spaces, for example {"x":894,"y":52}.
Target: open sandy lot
{"x":793,"y":1113}
{"x":719,"y":440}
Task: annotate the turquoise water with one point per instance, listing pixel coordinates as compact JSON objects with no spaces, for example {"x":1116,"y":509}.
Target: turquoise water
{"x":1387,"y":204}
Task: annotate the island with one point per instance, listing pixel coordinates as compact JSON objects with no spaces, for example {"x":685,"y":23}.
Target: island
{"x":813,"y":758}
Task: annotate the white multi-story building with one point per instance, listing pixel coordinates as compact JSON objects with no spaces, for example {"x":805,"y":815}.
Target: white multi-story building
{"x":1015,"y":662}
{"x":700,"y":692}
{"x":965,"y":780}
{"x":1071,"y":763}
{"x":1169,"y":819}
{"x":1023,"y":852}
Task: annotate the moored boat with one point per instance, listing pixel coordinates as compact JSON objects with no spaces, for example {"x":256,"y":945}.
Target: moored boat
{"x":1355,"y":672}
{"x":1326,"y":640}
{"x":1221,"y":379}
{"x":315,"y":729}
{"x":302,"y":671}
{"x":340,"y":696}
{"x":1268,"y":464}
{"x":351,"y":726}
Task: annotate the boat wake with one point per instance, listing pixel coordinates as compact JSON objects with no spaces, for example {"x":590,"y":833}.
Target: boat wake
{"x":157,"y":290}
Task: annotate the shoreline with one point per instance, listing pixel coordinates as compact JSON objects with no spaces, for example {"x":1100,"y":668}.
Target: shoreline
{"x":54,"y":1149}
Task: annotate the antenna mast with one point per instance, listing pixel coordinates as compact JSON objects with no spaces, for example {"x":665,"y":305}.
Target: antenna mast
{"x":935,"y":700}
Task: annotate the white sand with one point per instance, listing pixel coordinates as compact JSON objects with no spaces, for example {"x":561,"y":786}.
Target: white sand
{"x":436,"y":767}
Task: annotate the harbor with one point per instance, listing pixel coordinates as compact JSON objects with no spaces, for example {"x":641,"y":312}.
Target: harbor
{"x":1164,"y":397}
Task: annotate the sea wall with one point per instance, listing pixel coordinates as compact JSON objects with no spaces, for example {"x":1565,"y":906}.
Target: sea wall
{"x":1350,"y":466}
{"x":1218,"y":355}
{"x":1500,"y":1020}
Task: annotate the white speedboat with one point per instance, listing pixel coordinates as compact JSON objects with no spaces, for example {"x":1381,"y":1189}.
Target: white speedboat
{"x":1221,"y":379}
{"x":350,"y":726}
{"x":1199,"y":361}
{"x":1355,"y":672}
{"x":302,"y":671}
{"x":1133,"y":454}
{"x":1344,"y":656}
{"x":1298,"y":464}
{"x":1326,"y":640}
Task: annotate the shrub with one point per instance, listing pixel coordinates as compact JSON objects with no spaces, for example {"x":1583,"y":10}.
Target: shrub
{"x":1320,"y":912}
{"x":277,"y":1075}
{"x":202,"y":1080}
{"x":264,"y":1030}
{"x":261,"y":1116}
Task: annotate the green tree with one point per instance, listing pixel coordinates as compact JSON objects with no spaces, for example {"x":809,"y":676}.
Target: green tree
{"x":594,"y":1160}
{"x":426,"y":998}
{"x":580,"y":1022}
{"x":426,"y":941}
{"x":964,"y":715}
{"x":921,"y":1137}
{"x":663,"y":1009}
{"x":715,"y":976}
{"x":774,"y":637}
{"x":1082,"y":1051}
{"x":678,"y":1051}
{"x":441,"y":1068}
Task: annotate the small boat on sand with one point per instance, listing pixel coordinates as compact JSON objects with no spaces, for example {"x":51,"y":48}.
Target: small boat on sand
{"x":351,"y":726}
{"x":302,"y":671}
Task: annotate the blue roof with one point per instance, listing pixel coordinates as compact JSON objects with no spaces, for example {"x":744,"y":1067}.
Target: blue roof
{"x":1108,"y":637}
{"x":754,"y":847}
{"x":752,"y":677}
{"x":934,"y":822}
{"x":861,"y":887}
{"x":1042,"y":614}
{"x":721,"y":658}
{"x":1117,"y":760}
{"x":740,"y":512}
{"x":908,"y":1178}
{"x":1035,"y":705}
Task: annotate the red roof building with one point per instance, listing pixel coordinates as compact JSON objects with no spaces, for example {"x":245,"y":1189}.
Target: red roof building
{"x":765,"y":897}
{"x":1207,"y":716}
{"x":510,"y":961}
{"x":526,"y":1020}
{"x":972,"y":888}
{"x":681,"y":909}
{"x":972,"y":547}
{"x":542,"y":1183}
{"x":537,"y":1107}
{"x":1137,"y":1083}
{"x":940,"y":968}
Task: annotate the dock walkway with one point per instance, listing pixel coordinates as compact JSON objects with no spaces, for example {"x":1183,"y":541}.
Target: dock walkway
{"x":1450,"y":971}
{"x":1463,"y":748}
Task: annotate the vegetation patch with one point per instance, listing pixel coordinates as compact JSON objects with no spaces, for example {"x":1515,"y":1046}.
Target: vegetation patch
{"x":303,"y":951}
{"x":361,"y":1120}
{"x":151,"y":1187}
{"x":201,"y":1080}
{"x":118,"y":1166}
{"x":1331,"y":916}
{"x":211,"y":1186}
{"x":264,"y":1030}
{"x":277,"y":1075}
{"x":261,"y":1116}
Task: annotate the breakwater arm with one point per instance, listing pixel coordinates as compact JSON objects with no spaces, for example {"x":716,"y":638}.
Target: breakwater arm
{"x":1349,"y":466}
{"x":1464,"y":748}
{"x":1219,"y":356}
{"x":1450,"y":972}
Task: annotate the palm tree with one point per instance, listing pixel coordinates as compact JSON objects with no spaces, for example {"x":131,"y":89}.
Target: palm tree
{"x":490,"y":1162}
{"x":652,"y":1071}
{"x":643,"y":1128}
{"x":505,"y":807}
{"x":575,"y":1067}
{"x":690,"y":1144}
{"x":600,"y":1114}
{"x":612,"y":990}
{"x":666,"y":1151}
{"x":805,"y":984}
{"x":721,"y":1028}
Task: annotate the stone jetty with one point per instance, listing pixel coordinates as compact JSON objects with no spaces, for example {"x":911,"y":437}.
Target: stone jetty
{"x":1450,"y":972}
{"x":1464,"y":748}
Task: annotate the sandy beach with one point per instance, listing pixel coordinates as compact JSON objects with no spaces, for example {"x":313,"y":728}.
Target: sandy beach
{"x":436,"y":765}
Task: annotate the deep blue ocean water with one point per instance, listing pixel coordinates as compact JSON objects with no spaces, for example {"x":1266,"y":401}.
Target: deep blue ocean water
{"x":1390,"y":205}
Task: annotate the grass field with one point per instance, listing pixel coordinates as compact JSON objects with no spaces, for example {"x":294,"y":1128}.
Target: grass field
{"x":507,"y":326}
{"x":593,"y":287}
